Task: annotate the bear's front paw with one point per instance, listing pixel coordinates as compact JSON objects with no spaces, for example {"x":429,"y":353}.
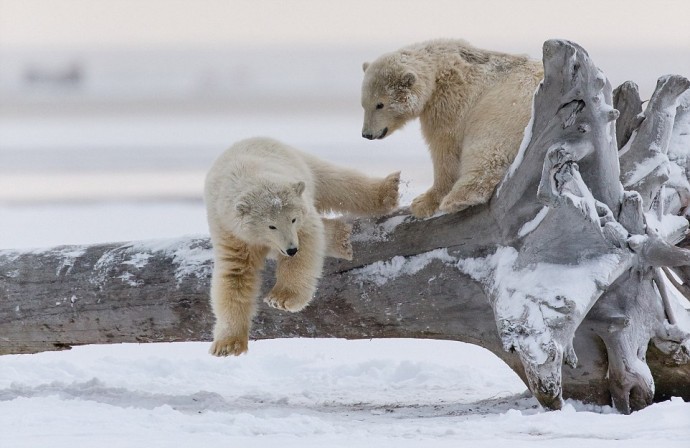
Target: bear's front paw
{"x":424,"y":206}
{"x":234,"y":345}
{"x":286,"y":301}
{"x":389,"y":192}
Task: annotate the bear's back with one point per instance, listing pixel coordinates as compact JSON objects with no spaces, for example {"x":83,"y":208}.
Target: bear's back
{"x":255,"y":163}
{"x":260,"y":159}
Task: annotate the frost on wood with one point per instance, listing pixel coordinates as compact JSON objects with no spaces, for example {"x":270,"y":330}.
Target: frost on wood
{"x":561,"y":275}
{"x":616,"y":239}
{"x":66,"y":296}
{"x":575,"y":251}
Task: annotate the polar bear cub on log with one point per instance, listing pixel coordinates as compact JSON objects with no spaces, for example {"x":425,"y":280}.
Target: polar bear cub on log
{"x":473,"y":106}
{"x":264,"y":198}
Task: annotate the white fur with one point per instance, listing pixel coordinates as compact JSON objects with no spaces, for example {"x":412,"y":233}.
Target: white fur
{"x":264,"y":198}
{"x":473,"y":106}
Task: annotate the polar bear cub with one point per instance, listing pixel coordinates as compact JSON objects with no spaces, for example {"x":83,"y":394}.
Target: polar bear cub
{"x":473,"y":106}
{"x":264,"y":198}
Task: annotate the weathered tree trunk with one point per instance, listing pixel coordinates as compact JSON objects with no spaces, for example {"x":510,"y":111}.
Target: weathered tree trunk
{"x":564,"y":262}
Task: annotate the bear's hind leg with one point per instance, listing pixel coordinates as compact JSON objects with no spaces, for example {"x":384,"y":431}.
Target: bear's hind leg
{"x":234,"y":288}
{"x":337,"y":235}
{"x":297,"y":276}
{"x":466,"y":193}
{"x":476,"y":184}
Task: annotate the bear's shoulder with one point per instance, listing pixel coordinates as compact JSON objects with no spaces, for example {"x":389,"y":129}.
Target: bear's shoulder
{"x":259,"y":160}
{"x":460,"y":49}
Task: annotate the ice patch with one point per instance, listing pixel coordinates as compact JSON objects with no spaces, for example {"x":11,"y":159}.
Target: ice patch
{"x":190,"y":256}
{"x":69,"y":256}
{"x":102,"y":267}
{"x":671,"y":228}
{"x":534,"y":223}
{"x":382,"y":272}
{"x":643,"y":169}
{"x":138,"y":260}
{"x":68,"y":259}
{"x":628,"y":144}
{"x":378,"y":231}
{"x":128,"y":277}
{"x":66,"y":254}
{"x":390,"y":224}
{"x":10,"y":256}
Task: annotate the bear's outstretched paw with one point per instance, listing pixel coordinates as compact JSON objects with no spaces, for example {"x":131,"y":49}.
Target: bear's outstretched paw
{"x":234,"y":345}
{"x":339,"y":244}
{"x":388,"y":192}
{"x":424,"y":205}
{"x":286,"y":301}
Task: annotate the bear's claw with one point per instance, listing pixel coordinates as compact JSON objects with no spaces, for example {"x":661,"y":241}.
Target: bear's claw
{"x":229,"y":346}
{"x":286,"y":303}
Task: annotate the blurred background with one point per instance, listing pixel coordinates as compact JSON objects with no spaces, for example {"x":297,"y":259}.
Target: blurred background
{"x":111,"y":111}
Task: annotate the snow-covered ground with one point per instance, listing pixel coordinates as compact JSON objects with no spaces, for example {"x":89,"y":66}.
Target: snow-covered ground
{"x":296,"y":393}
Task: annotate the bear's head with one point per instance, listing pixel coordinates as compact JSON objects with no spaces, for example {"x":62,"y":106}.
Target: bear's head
{"x":271,"y":215}
{"x":392,"y":94}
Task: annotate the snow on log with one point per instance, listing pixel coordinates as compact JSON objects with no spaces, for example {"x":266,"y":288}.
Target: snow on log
{"x":560,"y":275}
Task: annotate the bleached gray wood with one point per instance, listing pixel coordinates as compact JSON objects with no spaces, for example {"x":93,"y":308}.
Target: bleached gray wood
{"x":644,"y":162}
{"x":678,"y":187}
{"x":570,"y":83}
{"x":626,"y":100}
{"x":570,"y":164}
{"x":640,"y":299}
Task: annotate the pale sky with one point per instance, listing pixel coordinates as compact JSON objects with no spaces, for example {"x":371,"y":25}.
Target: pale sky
{"x":600,"y":23}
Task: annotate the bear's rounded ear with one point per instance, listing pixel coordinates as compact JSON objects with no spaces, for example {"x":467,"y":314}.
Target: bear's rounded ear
{"x":365,"y":65}
{"x":408,"y":79}
{"x":243,"y":208}
{"x":299,"y":188}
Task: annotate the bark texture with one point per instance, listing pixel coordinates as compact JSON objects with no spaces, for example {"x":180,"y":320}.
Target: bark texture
{"x":562,"y":274}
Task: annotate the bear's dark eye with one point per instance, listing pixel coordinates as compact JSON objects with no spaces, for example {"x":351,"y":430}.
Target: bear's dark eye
{"x":293,"y":220}
{"x":272,"y":227}
{"x":379,"y":106}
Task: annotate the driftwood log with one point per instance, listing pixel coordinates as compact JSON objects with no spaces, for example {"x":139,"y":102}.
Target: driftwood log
{"x":562,"y":275}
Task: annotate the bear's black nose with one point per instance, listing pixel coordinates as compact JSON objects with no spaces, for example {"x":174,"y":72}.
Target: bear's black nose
{"x":368,"y":136}
{"x":292,"y":251}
